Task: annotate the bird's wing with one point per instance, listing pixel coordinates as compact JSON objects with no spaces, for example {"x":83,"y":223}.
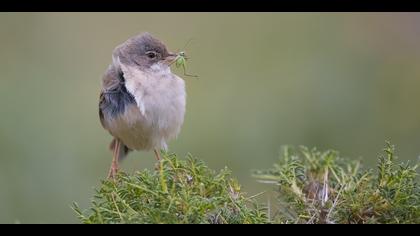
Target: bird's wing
{"x":109,"y":84}
{"x":114,"y":96}
{"x":101,"y":113}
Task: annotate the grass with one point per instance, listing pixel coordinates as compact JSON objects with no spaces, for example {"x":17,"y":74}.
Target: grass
{"x":311,"y":187}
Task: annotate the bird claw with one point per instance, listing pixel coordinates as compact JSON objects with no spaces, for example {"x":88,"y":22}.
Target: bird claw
{"x":113,"y":172}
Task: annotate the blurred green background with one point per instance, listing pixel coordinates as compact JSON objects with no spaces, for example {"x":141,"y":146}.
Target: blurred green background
{"x":347,"y":81}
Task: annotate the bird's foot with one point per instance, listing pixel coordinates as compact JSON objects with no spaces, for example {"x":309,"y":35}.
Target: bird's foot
{"x":158,"y":158}
{"x":157,"y":166}
{"x":113,"y":171}
{"x":114,"y":164}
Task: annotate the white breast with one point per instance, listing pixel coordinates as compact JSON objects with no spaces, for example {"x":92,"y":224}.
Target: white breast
{"x":159,"y":114}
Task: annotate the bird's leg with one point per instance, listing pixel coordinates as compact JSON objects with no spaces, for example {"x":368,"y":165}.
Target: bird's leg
{"x":157,"y":154}
{"x":158,"y":158}
{"x":114,"y":165}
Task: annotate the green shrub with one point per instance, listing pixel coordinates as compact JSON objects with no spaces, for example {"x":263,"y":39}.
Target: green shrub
{"x":311,"y":187}
{"x":322,"y":187}
{"x":179,"y":191}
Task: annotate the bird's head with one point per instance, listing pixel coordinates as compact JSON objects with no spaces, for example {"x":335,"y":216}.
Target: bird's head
{"x":145,"y":52}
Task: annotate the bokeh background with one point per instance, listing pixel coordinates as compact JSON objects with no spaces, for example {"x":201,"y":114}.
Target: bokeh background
{"x":346,"y":81}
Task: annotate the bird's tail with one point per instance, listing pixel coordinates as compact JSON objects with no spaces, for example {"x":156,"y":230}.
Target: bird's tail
{"x":124,"y":150}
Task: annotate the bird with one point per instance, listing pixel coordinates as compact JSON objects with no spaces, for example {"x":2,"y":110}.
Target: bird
{"x":141,"y":103}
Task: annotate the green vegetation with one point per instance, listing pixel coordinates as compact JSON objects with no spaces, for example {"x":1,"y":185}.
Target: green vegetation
{"x":311,"y":187}
{"x":322,"y":187}
{"x":178,"y":191}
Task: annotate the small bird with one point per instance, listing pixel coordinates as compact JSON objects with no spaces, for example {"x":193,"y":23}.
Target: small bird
{"x":142,"y":103}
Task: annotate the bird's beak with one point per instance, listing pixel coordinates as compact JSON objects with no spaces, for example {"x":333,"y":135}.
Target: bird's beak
{"x":170,"y":58}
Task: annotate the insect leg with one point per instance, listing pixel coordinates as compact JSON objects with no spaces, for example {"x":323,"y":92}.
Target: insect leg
{"x":185,"y":72}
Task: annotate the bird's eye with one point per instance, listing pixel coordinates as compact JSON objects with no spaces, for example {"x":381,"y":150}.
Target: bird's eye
{"x":151,"y":54}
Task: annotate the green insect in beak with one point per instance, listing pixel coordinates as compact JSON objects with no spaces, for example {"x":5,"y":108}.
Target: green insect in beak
{"x":181,"y":60}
